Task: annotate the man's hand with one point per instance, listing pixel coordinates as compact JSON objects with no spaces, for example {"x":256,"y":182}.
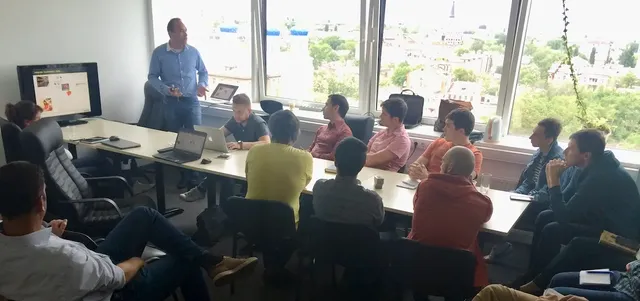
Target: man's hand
{"x":418,"y":171}
{"x":233,"y":145}
{"x":175,"y":92}
{"x":554,"y":169}
{"x":202,"y":91}
{"x":58,"y":226}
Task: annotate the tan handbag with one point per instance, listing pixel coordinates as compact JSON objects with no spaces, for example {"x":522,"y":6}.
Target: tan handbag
{"x":446,"y":106}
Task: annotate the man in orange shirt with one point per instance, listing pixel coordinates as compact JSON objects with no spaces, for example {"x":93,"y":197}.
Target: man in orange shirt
{"x":448,"y":211}
{"x":459,"y":124}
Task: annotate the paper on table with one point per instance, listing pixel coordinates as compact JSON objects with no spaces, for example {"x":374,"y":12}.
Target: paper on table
{"x":595,"y":279}
{"x":406,"y":185}
{"x":331,"y":169}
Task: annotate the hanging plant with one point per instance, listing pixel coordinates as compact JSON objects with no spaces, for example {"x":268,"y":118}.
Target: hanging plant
{"x":588,"y":120}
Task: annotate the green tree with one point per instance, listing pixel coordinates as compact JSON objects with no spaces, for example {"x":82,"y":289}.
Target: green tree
{"x":477,"y":46}
{"x":321,"y":53}
{"x":629,"y":80}
{"x":556,"y":44}
{"x":325,"y":83}
{"x":465,"y":75}
{"x":592,"y":56}
{"x":334,"y":41}
{"x":351,"y":46}
{"x":544,"y":58}
{"x":400,"y":74}
{"x":628,"y":56}
{"x":461,"y":51}
{"x":290,"y":23}
{"x":529,"y":75}
{"x":501,"y":38}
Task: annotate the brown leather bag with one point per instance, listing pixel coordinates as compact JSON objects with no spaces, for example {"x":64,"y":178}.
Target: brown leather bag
{"x":446,"y":106}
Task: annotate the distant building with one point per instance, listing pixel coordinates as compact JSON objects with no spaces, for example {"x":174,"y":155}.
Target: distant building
{"x":595,"y":76}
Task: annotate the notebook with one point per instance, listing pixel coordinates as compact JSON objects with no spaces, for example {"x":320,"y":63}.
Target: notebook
{"x":121,"y":144}
{"x":600,"y":277}
{"x":331,"y":169}
{"x":618,"y":242}
{"x":409,"y":184}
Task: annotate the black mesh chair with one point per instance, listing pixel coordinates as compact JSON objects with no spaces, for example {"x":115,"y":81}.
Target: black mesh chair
{"x":269,"y":107}
{"x":11,"y":140}
{"x":361,"y":126}
{"x":267,"y":226}
{"x":354,"y":247}
{"x":71,"y":196}
{"x":431,"y":271}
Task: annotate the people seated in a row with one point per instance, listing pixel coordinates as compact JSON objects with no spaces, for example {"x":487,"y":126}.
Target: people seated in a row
{"x":459,"y":124}
{"x":605,"y":198}
{"x":448,"y":210}
{"x":533,"y":179}
{"x":329,"y":136}
{"x":389,"y":149}
{"x":37,"y":263}
{"x":248,"y":129}
{"x":343,"y":199}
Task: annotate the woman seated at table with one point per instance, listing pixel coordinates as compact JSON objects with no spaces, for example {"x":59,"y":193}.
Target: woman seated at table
{"x":277,"y":171}
{"x":448,"y":211}
{"x":25,"y":112}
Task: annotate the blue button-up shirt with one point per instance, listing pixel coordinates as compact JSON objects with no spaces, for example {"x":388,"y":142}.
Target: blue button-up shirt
{"x":171,"y":68}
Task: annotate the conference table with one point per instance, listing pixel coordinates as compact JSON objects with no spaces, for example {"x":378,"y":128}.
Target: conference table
{"x":396,"y":199}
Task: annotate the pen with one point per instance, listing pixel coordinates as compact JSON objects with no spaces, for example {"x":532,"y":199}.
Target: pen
{"x":599,"y":272}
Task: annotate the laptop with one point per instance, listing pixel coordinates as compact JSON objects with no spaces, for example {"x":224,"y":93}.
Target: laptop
{"x":188,"y":147}
{"x":215,"y":138}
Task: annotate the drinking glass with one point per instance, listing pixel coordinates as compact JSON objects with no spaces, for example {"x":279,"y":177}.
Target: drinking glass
{"x":485,"y":182}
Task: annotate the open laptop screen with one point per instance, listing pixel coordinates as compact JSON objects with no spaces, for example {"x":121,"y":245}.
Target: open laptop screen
{"x":190,"y":142}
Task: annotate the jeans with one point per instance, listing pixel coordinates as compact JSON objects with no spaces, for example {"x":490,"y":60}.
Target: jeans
{"x":181,"y":267}
{"x":569,"y":284}
{"x":548,"y":238}
{"x":183,"y":113}
{"x":583,"y":253}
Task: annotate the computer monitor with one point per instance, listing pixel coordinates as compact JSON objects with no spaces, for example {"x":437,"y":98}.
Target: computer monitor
{"x":63,"y":91}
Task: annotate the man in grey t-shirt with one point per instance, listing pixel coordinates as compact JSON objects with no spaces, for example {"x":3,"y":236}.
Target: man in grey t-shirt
{"x":248,"y":129}
{"x":343,"y":199}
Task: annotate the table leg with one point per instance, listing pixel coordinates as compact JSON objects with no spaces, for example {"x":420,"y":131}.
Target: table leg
{"x":161,"y":196}
{"x":73,"y":150}
{"x":212,"y":193}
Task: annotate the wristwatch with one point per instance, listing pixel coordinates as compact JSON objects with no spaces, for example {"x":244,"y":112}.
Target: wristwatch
{"x":240,"y":144}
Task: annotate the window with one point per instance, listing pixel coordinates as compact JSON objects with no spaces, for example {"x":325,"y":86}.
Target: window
{"x":312,"y":50}
{"x":604,"y":56}
{"x":219,"y":29}
{"x":445,"y":49}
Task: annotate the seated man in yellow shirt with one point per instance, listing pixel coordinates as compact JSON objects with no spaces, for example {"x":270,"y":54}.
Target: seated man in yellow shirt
{"x":279,"y":172}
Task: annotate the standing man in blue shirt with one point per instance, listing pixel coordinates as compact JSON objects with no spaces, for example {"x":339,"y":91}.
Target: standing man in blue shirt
{"x":173,"y":69}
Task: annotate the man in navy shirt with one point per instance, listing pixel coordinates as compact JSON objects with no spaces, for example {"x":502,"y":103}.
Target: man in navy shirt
{"x":178,"y":72}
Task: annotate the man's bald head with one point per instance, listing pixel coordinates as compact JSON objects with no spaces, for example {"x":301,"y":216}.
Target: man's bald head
{"x":458,"y":161}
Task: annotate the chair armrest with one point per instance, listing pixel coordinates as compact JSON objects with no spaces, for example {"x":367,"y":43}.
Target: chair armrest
{"x":113,"y":179}
{"x":98,"y":200}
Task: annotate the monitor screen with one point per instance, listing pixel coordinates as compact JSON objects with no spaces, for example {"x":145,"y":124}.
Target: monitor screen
{"x":62,"y":89}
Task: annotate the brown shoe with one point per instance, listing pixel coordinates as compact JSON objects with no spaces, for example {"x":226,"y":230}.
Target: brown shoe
{"x":231,"y":268}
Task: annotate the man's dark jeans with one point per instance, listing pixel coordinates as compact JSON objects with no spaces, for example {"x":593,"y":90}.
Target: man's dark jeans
{"x":569,"y":284}
{"x":183,"y":113}
{"x":583,"y":253}
{"x":548,"y":238}
{"x":181,"y":267}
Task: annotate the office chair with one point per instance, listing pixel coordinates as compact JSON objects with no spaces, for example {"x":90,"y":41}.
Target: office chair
{"x":269,"y":106}
{"x":11,"y":140}
{"x":355,"y":247}
{"x":431,"y":271}
{"x":71,"y":196}
{"x":267,"y":226}
{"x":361,"y":126}
{"x":412,"y":150}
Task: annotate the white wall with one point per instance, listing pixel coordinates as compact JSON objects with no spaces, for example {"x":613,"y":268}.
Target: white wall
{"x":114,"y":33}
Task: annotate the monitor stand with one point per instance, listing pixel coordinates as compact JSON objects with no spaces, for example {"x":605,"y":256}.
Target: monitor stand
{"x":71,"y":122}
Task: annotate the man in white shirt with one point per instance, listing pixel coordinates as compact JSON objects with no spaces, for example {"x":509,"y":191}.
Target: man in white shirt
{"x":37,"y":264}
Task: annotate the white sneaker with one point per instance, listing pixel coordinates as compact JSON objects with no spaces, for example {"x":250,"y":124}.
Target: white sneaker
{"x":193,"y":195}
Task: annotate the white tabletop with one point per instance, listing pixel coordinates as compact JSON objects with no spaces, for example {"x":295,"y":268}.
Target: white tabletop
{"x":396,"y":199}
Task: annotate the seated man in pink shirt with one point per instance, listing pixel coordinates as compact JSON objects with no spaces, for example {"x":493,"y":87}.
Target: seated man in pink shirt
{"x":389,"y":149}
{"x":328,"y":136}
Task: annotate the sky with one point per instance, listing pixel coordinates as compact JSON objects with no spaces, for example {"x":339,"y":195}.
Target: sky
{"x":610,"y":19}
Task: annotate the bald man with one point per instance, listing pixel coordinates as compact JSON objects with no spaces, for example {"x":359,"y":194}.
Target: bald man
{"x":448,"y":211}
